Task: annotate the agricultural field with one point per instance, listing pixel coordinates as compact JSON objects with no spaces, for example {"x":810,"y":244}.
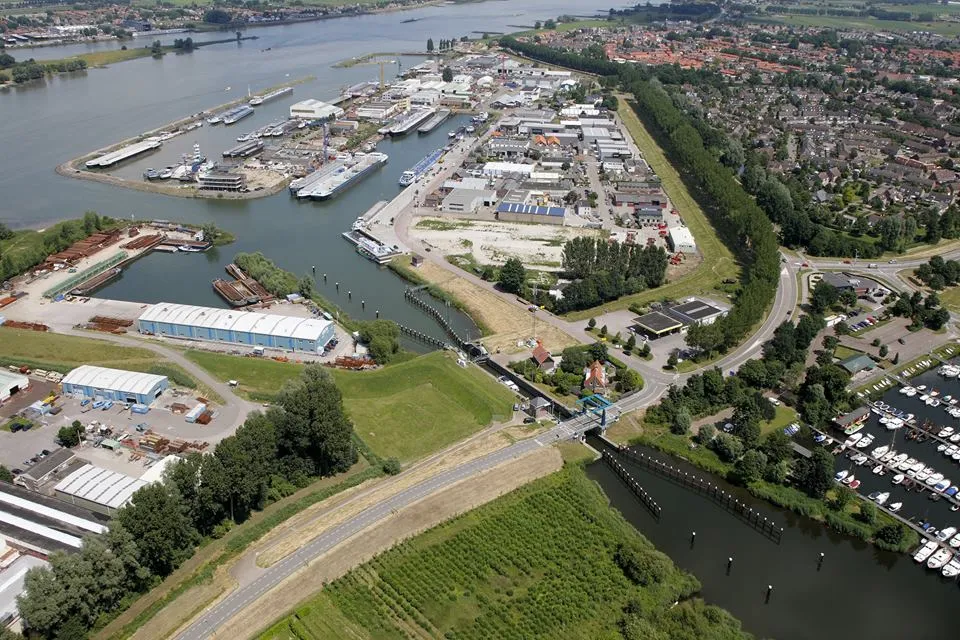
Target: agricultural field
{"x":537,"y":563}
{"x":404,"y":410}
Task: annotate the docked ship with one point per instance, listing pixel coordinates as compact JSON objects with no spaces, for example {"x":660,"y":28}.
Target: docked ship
{"x":267,"y":97}
{"x":404,"y":125}
{"x":410,"y":176}
{"x":236,"y":114}
{"x":151,"y":174}
{"x":434,"y":122}
{"x":96,"y":282}
{"x":342,"y":175}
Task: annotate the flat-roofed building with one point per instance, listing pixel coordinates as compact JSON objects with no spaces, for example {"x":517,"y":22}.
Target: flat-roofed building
{"x":98,"y":489}
{"x":657,"y":325}
{"x":682,"y":240}
{"x":468,"y":200}
{"x":88,"y":381}
{"x":11,"y":384}
{"x":695,"y":311}
{"x":312,"y":109}
{"x":47,"y":470}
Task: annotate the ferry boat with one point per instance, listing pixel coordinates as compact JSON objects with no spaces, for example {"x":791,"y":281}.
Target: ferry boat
{"x":236,"y":114}
{"x":410,"y":176}
{"x":267,"y":97}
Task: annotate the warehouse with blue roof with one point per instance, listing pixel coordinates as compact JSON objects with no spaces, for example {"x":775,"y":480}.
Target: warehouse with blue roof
{"x":249,"y":328}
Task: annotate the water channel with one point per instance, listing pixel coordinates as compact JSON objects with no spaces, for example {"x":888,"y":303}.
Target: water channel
{"x":858,"y":591}
{"x":62,"y":117}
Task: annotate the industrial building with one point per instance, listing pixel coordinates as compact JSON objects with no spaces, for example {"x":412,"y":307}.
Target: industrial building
{"x":682,"y":240}
{"x":221,"y":178}
{"x":42,"y":524}
{"x":237,"y":327}
{"x":114,"y":384}
{"x":97,"y":489}
{"x":517,"y":212}
{"x":677,"y":318}
{"x":311,"y":109}
{"x":48,"y":470}
{"x":11,"y":384}
{"x":468,"y":200}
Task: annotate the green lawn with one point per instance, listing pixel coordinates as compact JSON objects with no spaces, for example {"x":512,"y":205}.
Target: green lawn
{"x":950,"y":298}
{"x":405,"y":410}
{"x":718,"y":262}
{"x":416,"y":407}
{"x":785,"y":416}
{"x":538,"y":562}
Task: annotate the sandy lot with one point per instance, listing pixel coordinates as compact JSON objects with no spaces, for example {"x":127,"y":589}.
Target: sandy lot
{"x":508,"y":323}
{"x":404,"y":524}
{"x":538,"y":246}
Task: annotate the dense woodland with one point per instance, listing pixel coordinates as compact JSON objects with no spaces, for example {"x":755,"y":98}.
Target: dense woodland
{"x":305,"y":435}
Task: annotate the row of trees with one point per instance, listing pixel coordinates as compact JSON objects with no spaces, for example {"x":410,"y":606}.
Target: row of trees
{"x":304,"y":436}
{"x":586,"y":256}
{"x":939,"y":273}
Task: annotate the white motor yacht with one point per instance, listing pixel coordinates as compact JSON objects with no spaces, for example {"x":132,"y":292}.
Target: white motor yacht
{"x":888,"y":456}
{"x":956,"y":437}
{"x":906,"y":390}
{"x":955,"y":541}
{"x":841,"y":475}
{"x":951,"y":569}
{"x":882,"y":498}
{"x":865,"y":442}
{"x":893,"y":508}
{"x":950,"y":450}
{"x":946,"y":534}
{"x":852,"y":440}
{"x":921,"y":475}
{"x":898,"y":479}
{"x":942,"y":447}
{"x":934,"y":479}
{"x":955,"y":455}
{"x":939,"y":559}
{"x":924,"y":397}
{"x":879,"y":452}
{"x":878,"y":469}
{"x":946,"y":432}
{"x":925,"y":551}
{"x":850,"y":478}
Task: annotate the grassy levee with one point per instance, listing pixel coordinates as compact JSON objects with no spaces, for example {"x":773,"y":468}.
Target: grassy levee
{"x":199,"y":570}
{"x":406,"y":410}
{"x":718,"y":262}
{"x":538,"y":562}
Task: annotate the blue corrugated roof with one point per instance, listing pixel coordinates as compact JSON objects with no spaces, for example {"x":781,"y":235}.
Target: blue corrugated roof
{"x":516,"y":207}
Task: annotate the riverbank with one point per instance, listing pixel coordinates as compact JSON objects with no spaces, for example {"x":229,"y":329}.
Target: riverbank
{"x":845,"y":519}
{"x":266,"y":185}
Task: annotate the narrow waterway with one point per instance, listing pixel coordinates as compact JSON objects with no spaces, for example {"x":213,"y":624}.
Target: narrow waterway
{"x":857,"y":592}
{"x":65,"y":116}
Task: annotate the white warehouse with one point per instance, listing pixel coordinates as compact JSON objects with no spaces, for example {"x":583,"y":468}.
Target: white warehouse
{"x":682,"y":240}
{"x":311,"y":109}
{"x":114,"y":384}
{"x":238,"y":327}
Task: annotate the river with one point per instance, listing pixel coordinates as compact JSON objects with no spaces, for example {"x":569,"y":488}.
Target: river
{"x":858,"y":592}
{"x":62,"y":117}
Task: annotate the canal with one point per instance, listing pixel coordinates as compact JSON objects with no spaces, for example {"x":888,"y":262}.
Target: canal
{"x":859,"y":591}
{"x":62,"y":117}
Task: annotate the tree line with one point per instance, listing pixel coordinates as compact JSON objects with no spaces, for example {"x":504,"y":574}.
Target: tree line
{"x":305,"y":435}
{"x":32,"y":70}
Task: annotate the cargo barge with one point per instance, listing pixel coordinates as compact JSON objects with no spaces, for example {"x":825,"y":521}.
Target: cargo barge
{"x":410,"y":176}
{"x":340,"y":177}
{"x":96,"y":282}
{"x":236,"y":114}
{"x":244,"y":149}
{"x":406,"y":124}
{"x":243,"y":290}
{"x":125,"y":153}
{"x":439,"y":118}
{"x":267,"y":97}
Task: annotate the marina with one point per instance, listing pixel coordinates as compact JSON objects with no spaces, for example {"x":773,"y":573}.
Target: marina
{"x":439,"y":118}
{"x":267,"y":97}
{"x":337,"y":177}
{"x":410,"y":176}
{"x":125,"y":153}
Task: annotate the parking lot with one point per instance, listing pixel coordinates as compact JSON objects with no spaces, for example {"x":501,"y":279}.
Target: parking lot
{"x":16,"y":449}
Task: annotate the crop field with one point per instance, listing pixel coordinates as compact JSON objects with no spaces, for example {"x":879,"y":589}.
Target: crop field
{"x":537,"y":563}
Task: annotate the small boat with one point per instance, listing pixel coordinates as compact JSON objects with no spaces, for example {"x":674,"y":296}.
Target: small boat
{"x":939,"y":559}
{"x":924,"y":397}
{"x":952,"y":491}
{"x":865,"y":442}
{"x":893,"y":508}
{"x":855,"y":484}
{"x":887,"y":457}
{"x":955,"y":437}
{"x":955,"y":541}
{"x":151,"y":174}
{"x":841,"y":475}
{"x":942,"y":447}
{"x":878,"y":469}
{"x":882,"y":498}
{"x":906,"y":390}
{"x":951,"y":569}
{"x":946,"y":432}
{"x":897,"y":479}
{"x":848,"y":479}
{"x":820,"y":437}
{"x":934,"y":479}
{"x":946,"y":534}
{"x":942,"y":486}
{"x":873,"y":496}
{"x":879,"y":452}
{"x":925,"y":551}
{"x":922,"y":387}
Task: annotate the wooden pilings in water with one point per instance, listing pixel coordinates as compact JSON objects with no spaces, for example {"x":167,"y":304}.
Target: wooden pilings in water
{"x":634,"y":486}
{"x":419,"y":335}
{"x":749,"y":515}
{"x":411,"y":295}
